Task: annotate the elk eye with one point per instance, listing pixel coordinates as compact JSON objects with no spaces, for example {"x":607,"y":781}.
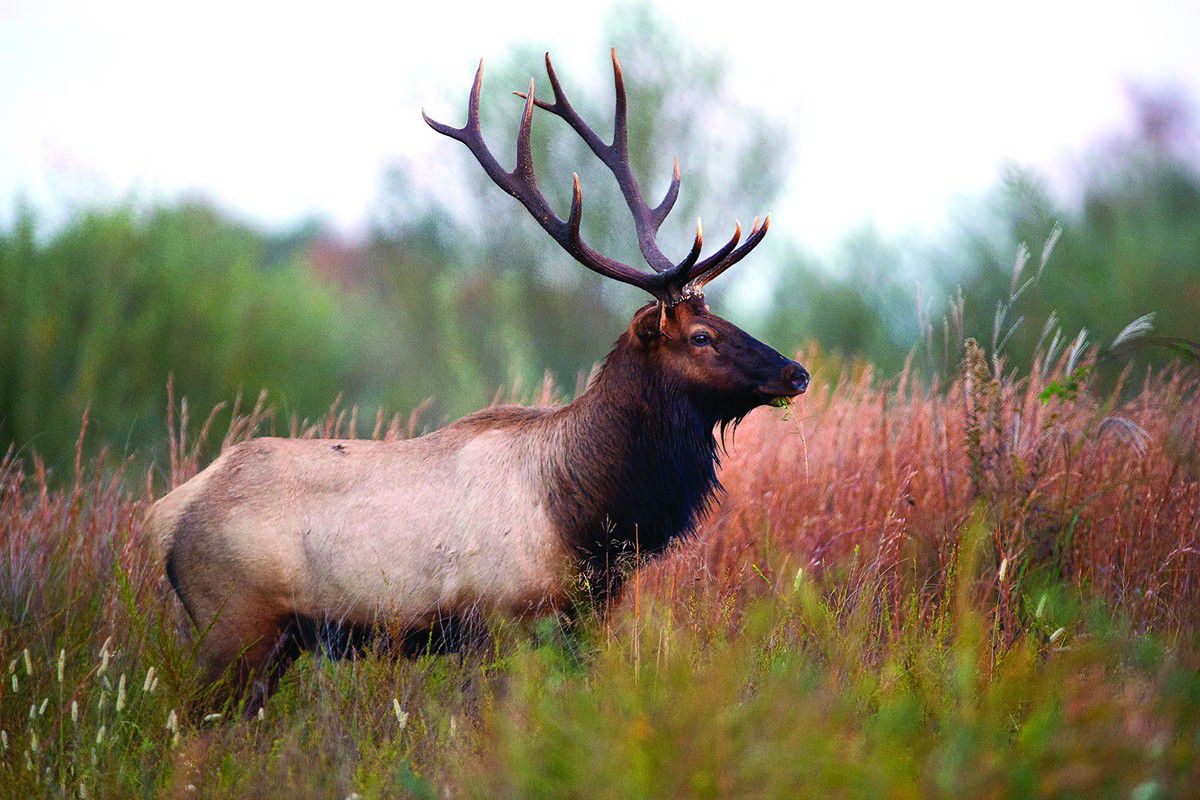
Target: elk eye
{"x":701,"y":339}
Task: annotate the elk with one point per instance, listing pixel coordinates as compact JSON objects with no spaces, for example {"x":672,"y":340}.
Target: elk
{"x":502,"y":510}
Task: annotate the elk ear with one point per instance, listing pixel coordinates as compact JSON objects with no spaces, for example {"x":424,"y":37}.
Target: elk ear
{"x":652,"y":323}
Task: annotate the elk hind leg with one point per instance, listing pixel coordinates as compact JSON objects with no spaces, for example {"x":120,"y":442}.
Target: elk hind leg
{"x":244,"y":657}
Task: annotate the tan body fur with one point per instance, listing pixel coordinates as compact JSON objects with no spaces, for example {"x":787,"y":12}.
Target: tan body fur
{"x":364,"y":532}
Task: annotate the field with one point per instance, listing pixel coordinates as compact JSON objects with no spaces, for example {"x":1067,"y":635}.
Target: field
{"x":987,"y":588}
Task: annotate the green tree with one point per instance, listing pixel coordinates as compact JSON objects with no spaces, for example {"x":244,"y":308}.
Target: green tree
{"x":1129,"y":247}
{"x":101,"y":312}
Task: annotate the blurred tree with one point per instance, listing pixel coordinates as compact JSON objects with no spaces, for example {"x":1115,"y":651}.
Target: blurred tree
{"x":859,"y":305}
{"x":457,"y":292}
{"x":101,"y":312}
{"x":1130,"y":245}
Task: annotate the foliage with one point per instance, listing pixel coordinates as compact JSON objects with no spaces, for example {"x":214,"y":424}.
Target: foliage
{"x":1129,"y":246}
{"x":100,"y":313}
{"x":859,"y":305}
{"x":1126,"y":244}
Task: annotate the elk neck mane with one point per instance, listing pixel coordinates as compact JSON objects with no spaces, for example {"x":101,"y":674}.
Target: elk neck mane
{"x":633,"y":463}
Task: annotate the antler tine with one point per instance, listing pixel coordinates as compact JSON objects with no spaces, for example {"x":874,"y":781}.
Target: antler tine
{"x":620,"y":128}
{"x":469,"y":134}
{"x":472,"y":111}
{"x":661,"y":210}
{"x":724,"y":251}
{"x":727,"y":256}
{"x":697,"y":245}
{"x":576,"y":216}
{"x":524,"y":166}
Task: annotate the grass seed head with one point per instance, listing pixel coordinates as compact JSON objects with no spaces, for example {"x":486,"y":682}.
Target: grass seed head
{"x":401,"y":715}
{"x":104,"y":655}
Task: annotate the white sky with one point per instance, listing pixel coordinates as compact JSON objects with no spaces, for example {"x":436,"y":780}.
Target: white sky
{"x":280,"y":110}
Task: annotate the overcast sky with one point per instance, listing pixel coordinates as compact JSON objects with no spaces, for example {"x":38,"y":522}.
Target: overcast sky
{"x":899,"y":110}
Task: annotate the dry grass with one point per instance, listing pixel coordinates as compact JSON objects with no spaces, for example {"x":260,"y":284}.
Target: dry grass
{"x":984,"y":590}
{"x":877,"y":481}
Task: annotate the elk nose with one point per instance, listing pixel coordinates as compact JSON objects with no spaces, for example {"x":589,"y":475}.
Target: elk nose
{"x":796,"y":375}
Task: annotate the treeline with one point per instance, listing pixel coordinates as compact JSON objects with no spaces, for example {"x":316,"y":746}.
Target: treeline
{"x":1126,"y":246}
{"x":453,"y":297}
{"x":99,"y":313}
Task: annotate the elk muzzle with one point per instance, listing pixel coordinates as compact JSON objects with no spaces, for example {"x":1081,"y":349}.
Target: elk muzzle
{"x":791,"y":381}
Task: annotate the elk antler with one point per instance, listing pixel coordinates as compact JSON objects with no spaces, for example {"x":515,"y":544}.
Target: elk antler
{"x":670,"y":282}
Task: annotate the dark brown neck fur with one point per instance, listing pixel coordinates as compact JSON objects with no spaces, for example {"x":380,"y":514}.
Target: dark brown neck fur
{"x":634,"y":466}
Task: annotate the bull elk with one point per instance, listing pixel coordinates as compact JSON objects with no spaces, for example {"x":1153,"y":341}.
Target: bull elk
{"x":502,"y":510}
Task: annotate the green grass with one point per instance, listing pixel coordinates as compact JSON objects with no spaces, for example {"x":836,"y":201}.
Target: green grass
{"x":800,"y":693}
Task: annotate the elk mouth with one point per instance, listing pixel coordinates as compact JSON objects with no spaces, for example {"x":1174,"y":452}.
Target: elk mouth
{"x":780,"y":397}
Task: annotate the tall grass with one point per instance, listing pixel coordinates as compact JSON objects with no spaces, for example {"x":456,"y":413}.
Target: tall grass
{"x":984,"y":590}
{"x":875,"y":482}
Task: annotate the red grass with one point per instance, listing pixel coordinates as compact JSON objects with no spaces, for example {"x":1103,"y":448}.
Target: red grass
{"x":860,"y":482}
{"x":879,"y":481}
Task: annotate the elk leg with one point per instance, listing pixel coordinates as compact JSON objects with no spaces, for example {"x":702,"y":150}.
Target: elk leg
{"x":244,"y":653}
{"x":448,"y":634}
{"x":287,"y":648}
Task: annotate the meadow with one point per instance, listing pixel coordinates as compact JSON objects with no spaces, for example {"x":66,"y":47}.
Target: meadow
{"x":982,"y":585}
{"x":948,"y":571}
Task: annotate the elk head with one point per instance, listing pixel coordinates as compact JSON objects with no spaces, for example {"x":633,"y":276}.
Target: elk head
{"x":724,"y":370}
